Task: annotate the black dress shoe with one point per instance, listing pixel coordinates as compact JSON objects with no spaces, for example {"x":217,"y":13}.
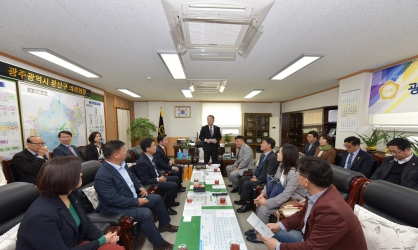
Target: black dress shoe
{"x":244,"y":208}
{"x":181,"y":190}
{"x":176,"y":204}
{"x":234,"y":190}
{"x":171,"y":211}
{"x":230,"y":186}
{"x":250,"y":232}
{"x":240,"y":202}
{"x":253,"y":239}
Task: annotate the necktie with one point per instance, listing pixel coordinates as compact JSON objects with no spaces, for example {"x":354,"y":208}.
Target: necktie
{"x":72,"y":150}
{"x":260,"y":165}
{"x":165,"y":150}
{"x":310,"y":146}
{"x":238,"y":152}
{"x":36,"y":155}
{"x":350,"y":159}
{"x":211,"y":131}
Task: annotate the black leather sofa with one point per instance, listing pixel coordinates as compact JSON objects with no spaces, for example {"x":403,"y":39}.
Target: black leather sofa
{"x":393,"y":202}
{"x":348,"y":183}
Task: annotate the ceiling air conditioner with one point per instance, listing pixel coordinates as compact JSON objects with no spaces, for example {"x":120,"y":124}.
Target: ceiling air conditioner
{"x":216,"y":31}
{"x":207,"y":86}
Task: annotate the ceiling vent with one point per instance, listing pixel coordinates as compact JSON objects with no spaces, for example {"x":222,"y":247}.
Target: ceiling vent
{"x":207,"y":86}
{"x":216,"y":31}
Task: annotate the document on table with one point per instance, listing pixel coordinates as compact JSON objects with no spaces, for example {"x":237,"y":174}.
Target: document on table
{"x":212,"y":166}
{"x":259,"y":226}
{"x":192,"y":210}
{"x":211,"y":170}
{"x":219,"y":187}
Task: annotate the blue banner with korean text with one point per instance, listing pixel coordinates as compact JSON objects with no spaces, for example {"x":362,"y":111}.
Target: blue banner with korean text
{"x":395,"y":89}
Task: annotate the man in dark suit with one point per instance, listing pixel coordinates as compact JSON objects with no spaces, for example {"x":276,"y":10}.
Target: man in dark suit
{"x":147,"y":173}
{"x":120,"y":191}
{"x":325,"y":222}
{"x":356,"y":159}
{"x":402,"y":167}
{"x":65,"y":148}
{"x":30,"y":160}
{"x":210,"y":135}
{"x":267,"y":165}
{"x":163,"y":161}
{"x":312,"y":144}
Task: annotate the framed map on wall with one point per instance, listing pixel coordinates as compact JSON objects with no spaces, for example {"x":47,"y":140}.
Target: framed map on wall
{"x":46,"y":112}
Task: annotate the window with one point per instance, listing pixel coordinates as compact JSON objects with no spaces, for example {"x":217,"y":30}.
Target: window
{"x":228,"y":116}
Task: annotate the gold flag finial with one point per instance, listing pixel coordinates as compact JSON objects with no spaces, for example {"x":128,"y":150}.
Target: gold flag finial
{"x":161,"y":111}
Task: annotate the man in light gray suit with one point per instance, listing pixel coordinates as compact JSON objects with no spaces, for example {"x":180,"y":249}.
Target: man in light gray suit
{"x":244,"y":162}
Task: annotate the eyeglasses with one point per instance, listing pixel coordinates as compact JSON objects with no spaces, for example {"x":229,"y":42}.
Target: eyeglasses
{"x":395,"y":153}
{"x":297,"y":172}
{"x":38,"y":143}
{"x":347,"y":147}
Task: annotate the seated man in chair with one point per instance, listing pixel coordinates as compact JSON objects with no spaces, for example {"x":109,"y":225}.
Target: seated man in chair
{"x":120,"y":191}
{"x":244,"y":162}
{"x":148,"y":175}
{"x":402,"y":167}
{"x":267,"y":166}
{"x":356,"y":159}
{"x":163,"y":162}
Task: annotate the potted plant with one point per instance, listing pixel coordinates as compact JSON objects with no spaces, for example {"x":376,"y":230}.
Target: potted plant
{"x":414,"y":145}
{"x":372,"y":140}
{"x":141,"y":128}
{"x":185,"y":146}
{"x":227,"y":139}
{"x":387,"y":136}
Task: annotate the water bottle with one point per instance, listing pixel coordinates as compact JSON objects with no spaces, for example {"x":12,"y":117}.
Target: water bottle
{"x":179,"y":154}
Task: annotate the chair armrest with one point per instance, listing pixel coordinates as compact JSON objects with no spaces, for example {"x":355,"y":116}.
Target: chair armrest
{"x":247,"y":173}
{"x":112,"y":218}
{"x":114,"y":229}
{"x":102,"y":226}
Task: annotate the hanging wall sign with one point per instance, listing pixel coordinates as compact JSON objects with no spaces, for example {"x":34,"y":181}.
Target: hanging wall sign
{"x":395,"y":89}
{"x":41,"y":80}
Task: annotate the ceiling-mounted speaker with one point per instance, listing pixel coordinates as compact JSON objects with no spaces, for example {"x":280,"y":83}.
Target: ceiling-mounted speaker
{"x":178,"y":36}
{"x":250,"y":39}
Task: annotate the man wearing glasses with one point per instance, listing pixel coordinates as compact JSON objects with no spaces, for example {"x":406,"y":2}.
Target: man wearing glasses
{"x":29,"y":161}
{"x":325,"y":222}
{"x":356,"y":159}
{"x":402,"y":167}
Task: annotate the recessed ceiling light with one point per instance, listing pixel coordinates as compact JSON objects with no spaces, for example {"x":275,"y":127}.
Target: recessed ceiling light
{"x":187,"y":93}
{"x":174,"y":64}
{"x":297,"y":64}
{"x":128,"y":92}
{"x":254,"y":93}
{"x":62,"y":61}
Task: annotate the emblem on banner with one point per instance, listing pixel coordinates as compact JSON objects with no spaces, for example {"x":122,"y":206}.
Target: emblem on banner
{"x":389,"y":90}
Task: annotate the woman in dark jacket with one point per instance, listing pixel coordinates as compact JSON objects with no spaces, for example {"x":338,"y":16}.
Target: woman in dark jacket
{"x":56,"y":219}
{"x":94,"y":151}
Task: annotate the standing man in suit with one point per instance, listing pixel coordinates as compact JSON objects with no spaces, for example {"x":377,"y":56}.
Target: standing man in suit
{"x":65,"y":148}
{"x":147,"y":173}
{"x":163,"y":161}
{"x":120,"y":191}
{"x":402,"y":167}
{"x":268,"y":165}
{"x":244,"y":162}
{"x":210,"y":135}
{"x":325,"y":222}
{"x":30,"y":160}
{"x":356,"y":159}
{"x":312,"y":144}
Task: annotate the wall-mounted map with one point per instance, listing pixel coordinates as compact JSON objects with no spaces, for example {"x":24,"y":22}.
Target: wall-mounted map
{"x":46,"y":112}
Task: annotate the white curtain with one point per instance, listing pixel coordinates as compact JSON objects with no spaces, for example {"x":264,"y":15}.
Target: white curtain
{"x":123,"y":122}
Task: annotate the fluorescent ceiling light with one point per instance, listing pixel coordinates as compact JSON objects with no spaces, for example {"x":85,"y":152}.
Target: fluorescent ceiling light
{"x":221,"y":88}
{"x":254,"y":93}
{"x":187,"y":93}
{"x":174,"y":64}
{"x":299,"y":63}
{"x":191,"y":88}
{"x":62,"y":61}
{"x":128,"y":92}
{"x":210,"y":6}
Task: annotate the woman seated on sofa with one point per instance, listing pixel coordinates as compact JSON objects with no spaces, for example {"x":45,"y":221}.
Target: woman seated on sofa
{"x":56,"y":219}
{"x":288,"y":155}
{"x":325,"y":150}
{"x":94,"y":151}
